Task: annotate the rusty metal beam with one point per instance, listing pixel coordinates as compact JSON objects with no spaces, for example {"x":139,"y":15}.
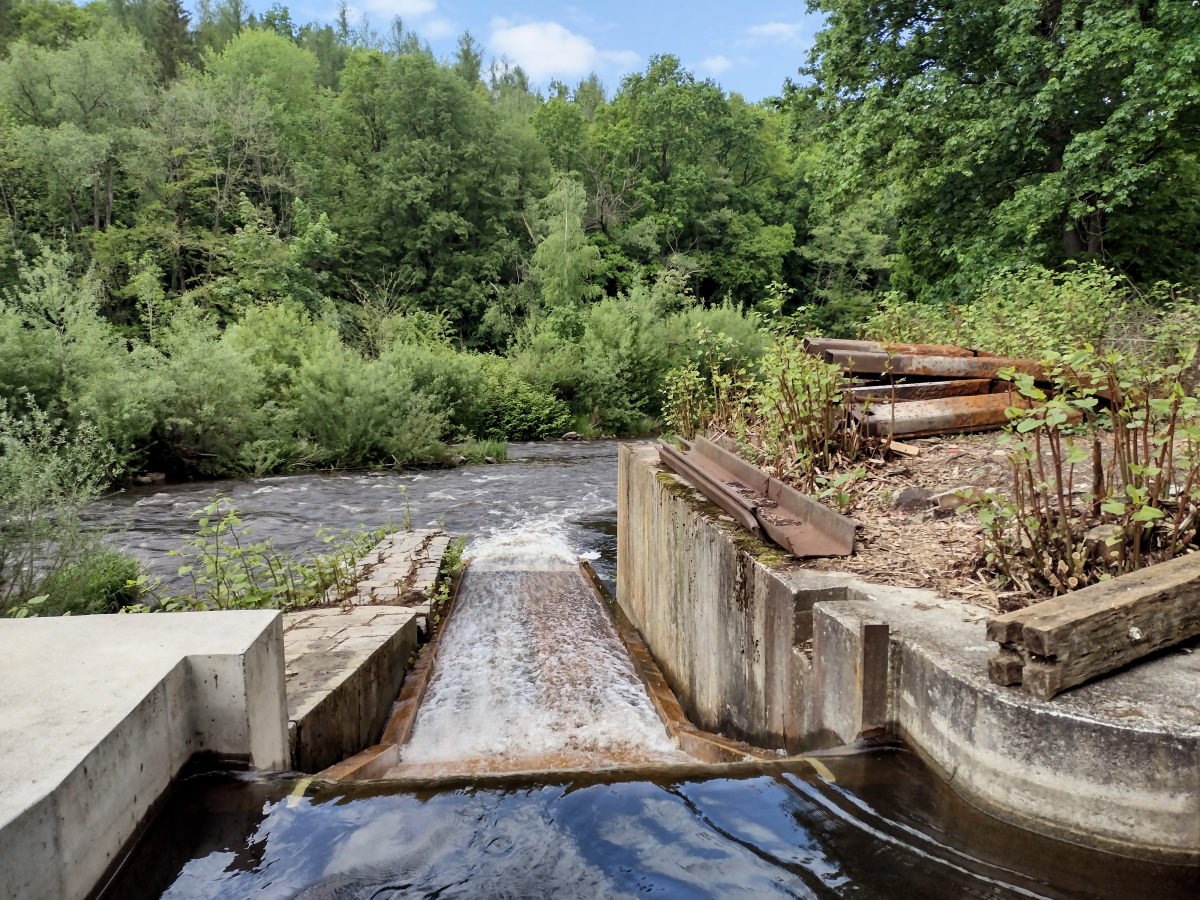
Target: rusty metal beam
{"x":794,"y":521}
{"x":716,"y":491}
{"x":951,"y":415}
{"x":878,"y":363}
{"x":816,"y":346}
{"x":922,"y":390}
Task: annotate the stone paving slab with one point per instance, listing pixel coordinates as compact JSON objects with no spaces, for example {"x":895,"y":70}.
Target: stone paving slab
{"x":344,"y":667}
{"x":402,"y":569}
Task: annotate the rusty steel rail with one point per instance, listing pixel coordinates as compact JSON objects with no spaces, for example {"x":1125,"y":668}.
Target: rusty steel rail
{"x":925,"y":390}
{"x":920,"y":418}
{"x":881,"y":363}
{"x":762,"y":504}
{"x":816,"y":346}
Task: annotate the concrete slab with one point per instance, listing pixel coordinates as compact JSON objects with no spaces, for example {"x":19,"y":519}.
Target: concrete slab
{"x":1114,"y":763}
{"x":101,"y":712}
{"x":345,"y":667}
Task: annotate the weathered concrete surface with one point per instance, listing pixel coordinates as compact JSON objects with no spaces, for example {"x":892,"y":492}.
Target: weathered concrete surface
{"x":101,"y":712}
{"x":1114,"y":764}
{"x":727,"y":632}
{"x":345,"y":666}
{"x":402,"y":570}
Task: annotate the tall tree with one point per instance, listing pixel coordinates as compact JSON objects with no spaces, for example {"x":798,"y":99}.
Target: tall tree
{"x":1021,"y":131}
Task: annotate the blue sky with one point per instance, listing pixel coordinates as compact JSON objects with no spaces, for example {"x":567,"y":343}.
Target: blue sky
{"x":749,"y":47}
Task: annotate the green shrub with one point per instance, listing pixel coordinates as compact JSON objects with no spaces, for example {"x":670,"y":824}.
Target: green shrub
{"x":102,"y":580}
{"x":361,"y":412}
{"x":48,"y":473}
{"x":515,"y":410}
{"x":277,"y":338}
{"x":213,"y":398}
{"x":455,"y":383}
{"x":1028,"y":312}
{"x":1077,"y":513}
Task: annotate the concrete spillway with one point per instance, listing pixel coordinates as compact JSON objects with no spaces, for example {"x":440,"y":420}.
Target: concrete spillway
{"x":531,"y":673}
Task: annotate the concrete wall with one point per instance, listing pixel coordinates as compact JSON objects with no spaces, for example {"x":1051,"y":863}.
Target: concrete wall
{"x":1114,"y":764}
{"x":99,"y":715}
{"x":727,"y":631}
{"x":345,"y":667}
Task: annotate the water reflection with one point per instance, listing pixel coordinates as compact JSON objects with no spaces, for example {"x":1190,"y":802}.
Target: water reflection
{"x":885,"y":829}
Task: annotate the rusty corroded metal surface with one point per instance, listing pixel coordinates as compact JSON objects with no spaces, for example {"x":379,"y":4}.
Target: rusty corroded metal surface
{"x":711,"y":485}
{"x":926,"y":390}
{"x":816,"y":345}
{"x":762,"y":504}
{"x":883,"y":363}
{"x":948,"y":415}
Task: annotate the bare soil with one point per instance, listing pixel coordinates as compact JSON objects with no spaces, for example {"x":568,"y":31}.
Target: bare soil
{"x":910,"y":533}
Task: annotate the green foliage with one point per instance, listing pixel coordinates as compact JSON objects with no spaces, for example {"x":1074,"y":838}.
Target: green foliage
{"x":474,"y":452}
{"x":48,"y":473}
{"x":1020,"y":133}
{"x":101,"y":580}
{"x":787,"y":410}
{"x":1029,"y":312}
{"x":1116,"y":492}
{"x":361,"y":412}
{"x":229,"y":570}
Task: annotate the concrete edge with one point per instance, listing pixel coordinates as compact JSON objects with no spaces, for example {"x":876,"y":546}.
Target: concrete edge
{"x":100,"y":780}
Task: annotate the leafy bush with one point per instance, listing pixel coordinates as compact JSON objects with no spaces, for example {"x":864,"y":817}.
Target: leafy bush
{"x":101,"y":580}
{"x":48,"y":473}
{"x":788,"y":409}
{"x":1028,"y":312}
{"x":360,"y":412}
{"x":1116,"y":492}
{"x":212,"y":400}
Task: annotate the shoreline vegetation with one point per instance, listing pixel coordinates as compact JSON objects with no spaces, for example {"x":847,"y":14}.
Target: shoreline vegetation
{"x":231,"y":245}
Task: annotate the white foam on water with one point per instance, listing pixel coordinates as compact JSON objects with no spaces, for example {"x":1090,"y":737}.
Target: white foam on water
{"x":530,"y":671}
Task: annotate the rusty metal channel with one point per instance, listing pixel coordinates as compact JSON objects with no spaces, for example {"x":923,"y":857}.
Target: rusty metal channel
{"x":761,"y":503}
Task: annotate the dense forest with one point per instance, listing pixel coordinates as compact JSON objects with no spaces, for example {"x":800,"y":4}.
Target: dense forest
{"x":232,"y":245}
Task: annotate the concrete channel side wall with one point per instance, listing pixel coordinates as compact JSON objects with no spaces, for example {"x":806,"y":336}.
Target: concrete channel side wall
{"x":1115,"y":764}
{"x":99,"y":715}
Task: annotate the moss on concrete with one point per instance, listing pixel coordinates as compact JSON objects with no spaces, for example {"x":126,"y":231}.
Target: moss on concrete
{"x":745,"y":542}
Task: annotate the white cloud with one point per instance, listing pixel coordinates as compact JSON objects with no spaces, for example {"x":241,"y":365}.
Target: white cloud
{"x":715,"y":65}
{"x":438,"y":28}
{"x":548,"y":50}
{"x":402,"y":8}
{"x":782,"y":32}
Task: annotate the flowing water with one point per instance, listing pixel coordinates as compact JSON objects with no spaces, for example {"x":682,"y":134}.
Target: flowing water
{"x":537,"y":680}
{"x":531,"y":673}
{"x":569,"y":487}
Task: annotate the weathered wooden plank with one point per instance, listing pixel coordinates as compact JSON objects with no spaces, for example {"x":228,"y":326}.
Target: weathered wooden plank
{"x":1006,"y":667}
{"x":1006,"y":629}
{"x":922,"y":390}
{"x":1100,"y":628}
{"x":879,"y":363}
